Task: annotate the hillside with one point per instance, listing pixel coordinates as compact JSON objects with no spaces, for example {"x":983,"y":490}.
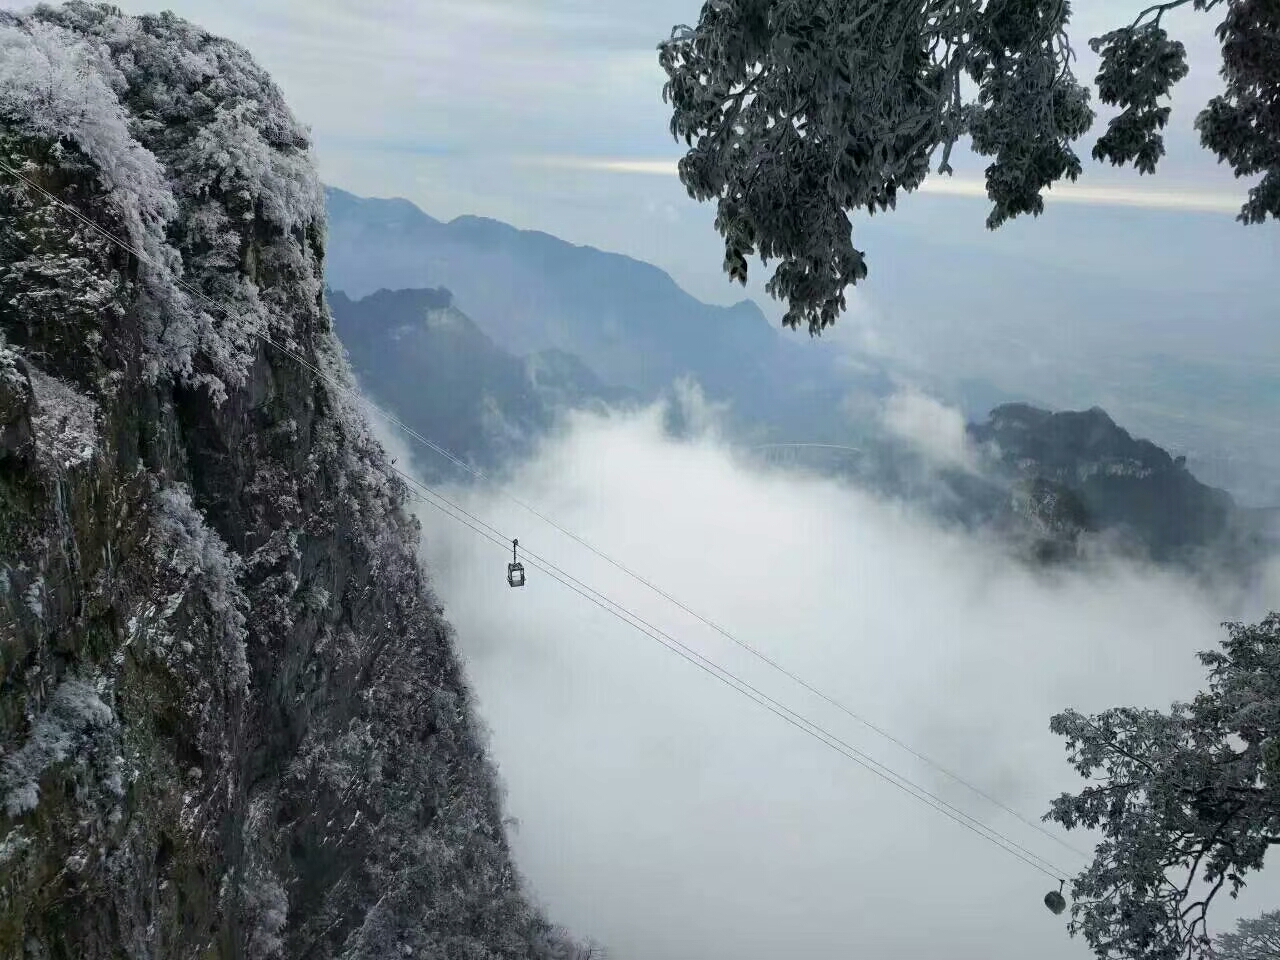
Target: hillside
{"x":626,"y":320}
{"x":417,"y":354}
{"x":1129,"y":486}
{"x":232,"y":720}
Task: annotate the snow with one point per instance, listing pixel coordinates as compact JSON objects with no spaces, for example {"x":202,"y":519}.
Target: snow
{"x":64,"y":422}
{"x":13,"y":381}
{"x":234,"y":150}
{"x":65,"y":729}
{"x":192,"y":550}
{"x":55,"y":85}
{"x":13,"y":843}
{"x":34,"y":598}
{"x":267,"y":903}
{"x":64,"y":74}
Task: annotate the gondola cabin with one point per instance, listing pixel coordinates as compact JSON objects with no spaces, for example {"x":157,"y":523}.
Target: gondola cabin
{"x":1055,"y":901}
{"x":515,"y":569}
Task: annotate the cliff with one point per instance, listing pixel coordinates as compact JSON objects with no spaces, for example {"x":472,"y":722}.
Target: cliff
{"x":1127,"y":485}
{"x":420,"y":357}
{"x":232,"y":721}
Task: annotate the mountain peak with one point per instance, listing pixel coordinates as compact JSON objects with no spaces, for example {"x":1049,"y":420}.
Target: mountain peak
{"x":626,"y":319}
{"x":1123,"y":481}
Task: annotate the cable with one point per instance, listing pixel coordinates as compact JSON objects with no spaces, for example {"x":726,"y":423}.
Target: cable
{"x":795,"y":445}
{"x":454,"y":511}
{"x":782,"y":711}
{"x":453,"y":458}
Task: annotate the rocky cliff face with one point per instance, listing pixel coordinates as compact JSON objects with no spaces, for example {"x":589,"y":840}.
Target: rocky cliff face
{"x":232,"y":723}
{"x":423,"y":359}
{"x":1128,"y":486}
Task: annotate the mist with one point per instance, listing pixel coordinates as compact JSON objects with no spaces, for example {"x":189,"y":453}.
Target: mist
{"x":665,"y":815}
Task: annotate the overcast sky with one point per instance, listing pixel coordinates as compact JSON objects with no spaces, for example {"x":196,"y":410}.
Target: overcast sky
{"x":549,"y":115}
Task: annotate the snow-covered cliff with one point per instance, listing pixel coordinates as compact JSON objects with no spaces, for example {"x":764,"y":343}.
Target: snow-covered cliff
{"x":232,"y":722}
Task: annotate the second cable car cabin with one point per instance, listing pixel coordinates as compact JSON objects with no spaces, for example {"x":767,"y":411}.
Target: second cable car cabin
{"x":515,"y":569}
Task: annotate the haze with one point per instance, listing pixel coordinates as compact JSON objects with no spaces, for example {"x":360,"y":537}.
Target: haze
{"x":667,"y":816}
{"x":1140,"y":291}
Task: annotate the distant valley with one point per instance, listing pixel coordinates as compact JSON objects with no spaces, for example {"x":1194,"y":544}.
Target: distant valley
{"x":485,"y":368}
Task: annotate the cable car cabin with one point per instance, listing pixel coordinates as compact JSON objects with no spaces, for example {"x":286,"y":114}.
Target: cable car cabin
{"x":515,"y":569}
{"x":515,"y":574}
{"x":1054,"y":899}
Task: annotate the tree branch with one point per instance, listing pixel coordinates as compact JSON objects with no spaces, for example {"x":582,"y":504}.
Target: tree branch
{"x":1160,"y":9}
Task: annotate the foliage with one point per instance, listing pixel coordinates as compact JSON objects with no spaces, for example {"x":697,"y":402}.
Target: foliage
{"x":798,"y":114}
{"x":1188,"y":802}
{"x":75,"y":721}
{"x":1255,"y":938}
{"x":207,"y":125}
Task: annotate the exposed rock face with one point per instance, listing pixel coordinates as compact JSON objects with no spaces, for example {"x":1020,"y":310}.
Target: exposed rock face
{"x":16,"y":408}
{"x":232,"y":722}
{"x":1122,"y":484}
{"x":426,"y":361}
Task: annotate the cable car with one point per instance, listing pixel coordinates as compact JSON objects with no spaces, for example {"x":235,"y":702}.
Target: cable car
{"x":515,"y":569}
{"x":1054,"y":899}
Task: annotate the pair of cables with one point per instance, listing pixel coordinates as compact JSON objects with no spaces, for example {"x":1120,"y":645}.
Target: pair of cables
{"x":430,"y":496}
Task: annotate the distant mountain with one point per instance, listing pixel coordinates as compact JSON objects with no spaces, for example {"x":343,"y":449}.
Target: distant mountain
{"x":625,"y":320}
{"x":1117,"y":483}
{"x":416,"y":353}
{"x":555,"y":322}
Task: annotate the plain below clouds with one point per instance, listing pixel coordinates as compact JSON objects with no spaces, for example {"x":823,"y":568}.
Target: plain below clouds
{"x":672,"y":819}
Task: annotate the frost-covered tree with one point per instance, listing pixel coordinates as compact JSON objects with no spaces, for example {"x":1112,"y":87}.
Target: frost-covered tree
{"x":1188,"y":803}
{"x":799,"y":112}
{"x":1255,"y":938}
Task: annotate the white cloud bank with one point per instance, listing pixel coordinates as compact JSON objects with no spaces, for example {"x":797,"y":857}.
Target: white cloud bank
{"x":674,"y":820}
{"x":932,"y":427}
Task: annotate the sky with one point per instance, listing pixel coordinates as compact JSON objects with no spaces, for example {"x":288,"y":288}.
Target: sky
{"x":1128,"y":292}
{"x":549,"y":115}
{"x":668,"y":817}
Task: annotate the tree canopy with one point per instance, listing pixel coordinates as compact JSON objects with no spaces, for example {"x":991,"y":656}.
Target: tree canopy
{"x":799,"y":112}
{"x":1188,"y":803}
{"x":1256,"y":938}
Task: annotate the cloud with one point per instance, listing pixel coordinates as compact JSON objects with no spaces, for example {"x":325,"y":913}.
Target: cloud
{"x":667,"y":816}
{"x":932,"y":427}
{"x":956,"y":186}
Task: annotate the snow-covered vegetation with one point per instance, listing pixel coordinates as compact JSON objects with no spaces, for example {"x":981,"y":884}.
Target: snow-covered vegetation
{"x":64,"y":75}
{"x":232,"y":708}
{"x":63,"y":422}
{"x":75,"y":721}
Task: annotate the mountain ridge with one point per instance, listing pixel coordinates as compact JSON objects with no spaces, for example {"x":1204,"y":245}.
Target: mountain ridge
{"x":416,"y":353}
{"x":1127,"y":484}
{"x":629,"y":321}
{"x":490,"y":227}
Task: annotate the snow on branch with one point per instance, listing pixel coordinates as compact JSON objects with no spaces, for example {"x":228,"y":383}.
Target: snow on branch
{"x":192,"y":550}
{"x":55,"y":85}
{"x":65,"y":730}
{"x":64,"y":423}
